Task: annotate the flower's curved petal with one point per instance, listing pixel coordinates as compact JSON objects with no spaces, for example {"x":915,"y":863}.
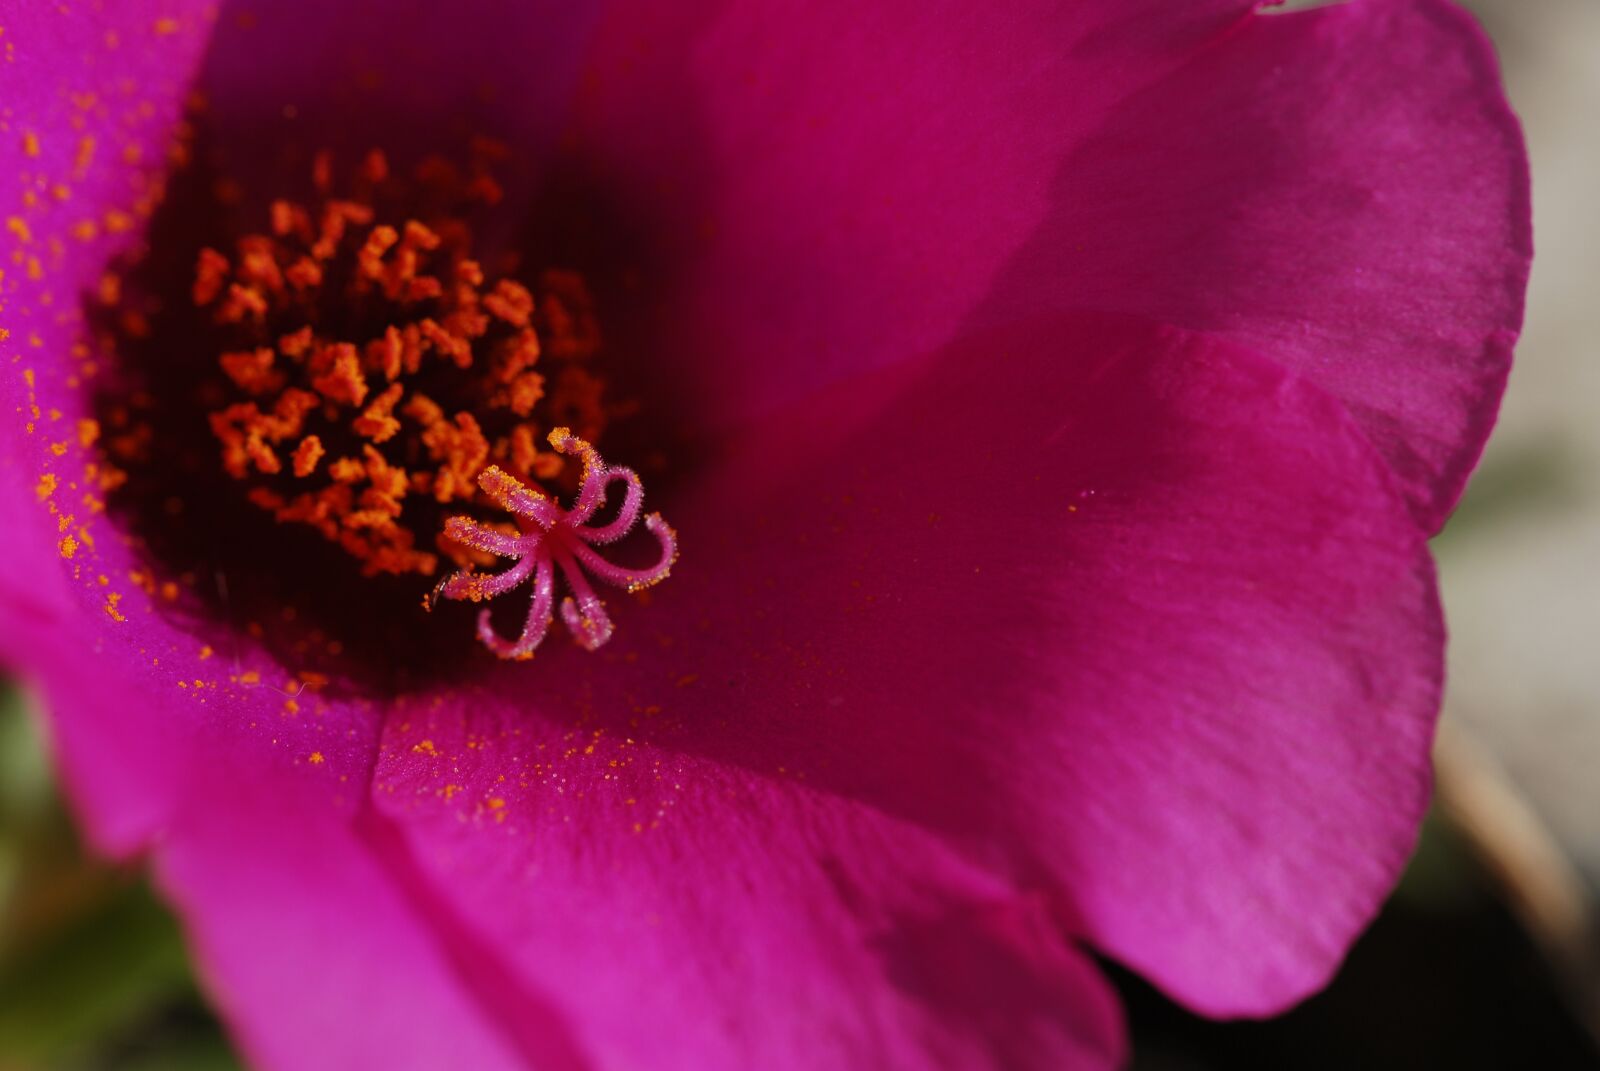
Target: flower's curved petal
{"x":836,"y":186}
{"x":1343,"y":188}
{"x":683,"y":914}
{"x":247,"y":801}
{"x":1141,"y":623}
{"x":309,"y":946}
{"x":246,"y":798}
{"x":91,"y":98}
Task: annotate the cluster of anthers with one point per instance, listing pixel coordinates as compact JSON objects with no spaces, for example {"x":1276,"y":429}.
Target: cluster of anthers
{"x":553,"y":538}
{"x":381,"y":378}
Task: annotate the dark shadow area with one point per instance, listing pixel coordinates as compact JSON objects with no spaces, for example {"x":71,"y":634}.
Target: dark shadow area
{"x":1458,"y":987}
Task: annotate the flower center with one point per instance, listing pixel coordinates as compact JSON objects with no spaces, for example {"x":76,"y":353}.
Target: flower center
{"x":378,"y":385}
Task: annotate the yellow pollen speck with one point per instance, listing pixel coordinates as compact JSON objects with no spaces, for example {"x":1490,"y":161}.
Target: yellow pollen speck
{"x":166,"y":27}
{"x":111,"y":607}
{"x":292,"y":706}
{"x":68,"y":546}
{"x":58,"y":448}
{"x":206,"y":652}
{"x":46,"y":487}
{"x":425,"y":748}
{"x":19,"y":227}
{"x":315,"y":758}
{"x":250,"y":677}
{"x":30,"y":143}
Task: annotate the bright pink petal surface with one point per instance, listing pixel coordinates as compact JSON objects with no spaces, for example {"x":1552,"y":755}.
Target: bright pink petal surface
{"x":83,"y":93}
{"x":250,"y":815}
{"x":312,"y":949}
{"x":1143,"y":629}
{"x":1343,"y":189}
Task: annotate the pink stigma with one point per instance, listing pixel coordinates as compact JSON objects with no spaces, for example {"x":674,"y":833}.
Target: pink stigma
{"x":553,"y":538}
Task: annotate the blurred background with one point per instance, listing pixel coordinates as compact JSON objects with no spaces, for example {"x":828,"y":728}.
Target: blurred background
{"x":1487,"y":956}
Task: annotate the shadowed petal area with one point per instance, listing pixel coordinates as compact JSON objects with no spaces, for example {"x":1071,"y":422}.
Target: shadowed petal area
{"x":408,"y":76}
{"x":1344,"y":189}
{"x":1140,"y":626}
{"x":838,"y":185}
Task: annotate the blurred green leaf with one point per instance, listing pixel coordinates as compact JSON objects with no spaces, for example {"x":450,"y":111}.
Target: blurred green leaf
{"x":101,"y":974}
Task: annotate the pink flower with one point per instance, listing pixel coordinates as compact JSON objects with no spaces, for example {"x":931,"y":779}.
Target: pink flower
{"x":1061,"y":398}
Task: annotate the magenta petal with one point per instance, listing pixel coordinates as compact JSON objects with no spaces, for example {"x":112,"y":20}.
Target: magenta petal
{"x":839,"y":185}
{"x":309,"y":944}
{"x":93,"y":97}
{"x":1082,"y":628}
{"x":1344,"y":189}
{"x":678,"y":913}
{"x":1142,"y":623}
{"x":248,"y":803}
{"x":85,"y":92}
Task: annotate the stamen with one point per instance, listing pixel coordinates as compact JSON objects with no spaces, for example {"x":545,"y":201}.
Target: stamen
{"x":553,"y":537}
